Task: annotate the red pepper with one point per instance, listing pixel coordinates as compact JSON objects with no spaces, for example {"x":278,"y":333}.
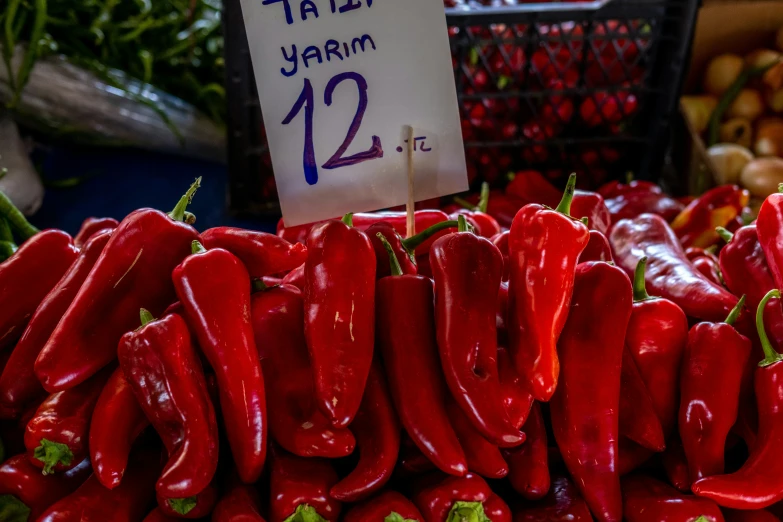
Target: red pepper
{"x":614,"y":189}
{"x":196,"y":506}
{"x":646,"y":499}
{"x":528,"y":464}
{"x":406,"y":339}
{"x":532,"y":187}
{"x":562,"y":504}
{"x":295,"y":422}
{"x":501,"y":241}
{"x":591,"y":205}
{"x":239,"y":504}
{"x":597,"y":249}
{"x":544,"y":246}
{"x":339,"y":316}
{"x":758,"y":515}
{"x":639,"y":420}
{"x":386,"y":507}
{"x":669,"y":272}
{"x":377,"y":431}
{"x":516,"y":394}
{"x":157,"y":515}
{"x":496,"y":509}
{"x":404,"y":249}
{"x":160,"y":364}
{"x":91,"y":227}
{"x":214,"y":289}
{"x":412,"y":460}
{"x":56,"y":437}
{"x":759,"y":482}
{"x":442,"y":498}
{"x":485,"y":225}
{"x":675,"y":464}
{"x":466,"y":329}
{"x":126,"y":503}
{"x":632,"y":204}
{"x":134,"y":271}
{"x":28,"y":276}
{"x":296,"y":277}
{"x":770,"y":234}
{"x":503,"y":207}
{"x":705,"y":262}
{"x":24,"y":488}
{"x":299,"y":489}
{"x":262,"y":254}
{"x":714,"y":360}
{"x":482,"y":456}
{"x":585,"y":405}
{"x":119,"y":420}
{"x":695,"y":225}
{"x":18,"y":384}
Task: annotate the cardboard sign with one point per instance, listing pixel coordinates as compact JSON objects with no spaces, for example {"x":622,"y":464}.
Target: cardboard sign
{"x":339,"y":81}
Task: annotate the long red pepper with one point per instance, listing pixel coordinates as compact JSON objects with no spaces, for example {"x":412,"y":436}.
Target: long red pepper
{"x":262,"y":254}
{"x":91,"y":227}
{"x":516,"y":393}
{"x":296,"y":277}
{"x":386,"y":507}
{"x":585,"y":405}
{"x":669,"y":272}
{"x":613,"y":189}
{"x":675,"y":464}
{"x":196,"y":506}
{"x":134,"y":271}
{"x":377,"y":431}
{"x":405,"y":325}
{"x":630,"y":205}
{"x":759,"y":482}
{"x":562,"y":504}
{"x":496,"y":509}
{"x":22,"y":483}
{"x":715,"y":357}
{"x":646,"y":499}
{"x":528,"y":464}
{"x":28,"y":276}
{"x":501,"y":241}
{"x":56,"y":437}
{"x":295,"y":423}
{"x":544,"y":246}
{"x":239,"y":504}
{"x":160,"y":364}
{"x":118,"y":421}
{"x":482,"y":456}
{"x":770,"y":234}
{"x":214,"y":289}
{"x":467,"y":271}
{"x":638,"y":418}
{"x":18,"y":382}
{"x":695,"y":225}
{"x":299,"y":489}
{"x":442,"y":498}
{"x":339,"y":313}
{"x":126,"y":503}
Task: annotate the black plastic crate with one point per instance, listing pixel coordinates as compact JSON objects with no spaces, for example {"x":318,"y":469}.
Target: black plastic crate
{"x":557,"y":87}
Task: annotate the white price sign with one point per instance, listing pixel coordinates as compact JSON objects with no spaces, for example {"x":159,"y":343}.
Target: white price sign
{"x":339,"y":82}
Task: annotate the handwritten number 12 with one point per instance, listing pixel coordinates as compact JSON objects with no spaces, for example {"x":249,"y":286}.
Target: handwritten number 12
{"x":337,"y":160}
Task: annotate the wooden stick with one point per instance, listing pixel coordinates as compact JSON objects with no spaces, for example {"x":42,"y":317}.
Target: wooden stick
{"x":411,"y":205}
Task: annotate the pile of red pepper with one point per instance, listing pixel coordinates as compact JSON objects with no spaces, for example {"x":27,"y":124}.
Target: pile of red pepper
{"x":505,"y":363}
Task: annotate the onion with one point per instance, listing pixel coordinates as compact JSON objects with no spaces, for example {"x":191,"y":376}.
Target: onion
{"x":728,"y":159}
{"x":774,"y":100}
{"x":761,"y":58}
{"x":697,"y":110}
{"x":762,"y":176}
{"x":721,"y":73}
{"x":779,"y":39}
{"x":748,"y":104}
{"x":736,"y":130}
{"x":769,"y":137}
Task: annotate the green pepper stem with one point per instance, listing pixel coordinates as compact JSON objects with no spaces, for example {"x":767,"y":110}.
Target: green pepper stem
{"x":183,"y":506}
{"x":305,"y":513}
{"x":196,"y":247}
{"x":145,"y":316}
{"x":586,"y":221}
{"x":462,"y":224}
{"x":483,"y":202}
{"x":724,"y":234}
{"x":15,"y":218}
{"x":348,"y":219}
{"x":568,"y":196}
{"x":396,"y":517}
{"x":52,"y":454}
{"x":736,"y":311}
{"x":628,"y":177}
{"x":5,"y":231}
{"x":464,"y":203}
{"x":178,"y":214}
{"x":770,"y":355}
{"x":410,"y":243}
{"x":467,"y":512}
{"x":396,"y":270}
{"x":7,"y":249}
{"x":639,"y":285}
{"x":12,"y":509}
{"x":258,"y":285}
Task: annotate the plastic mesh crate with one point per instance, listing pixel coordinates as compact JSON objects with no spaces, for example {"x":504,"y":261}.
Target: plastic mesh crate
{"x":558,"y":87}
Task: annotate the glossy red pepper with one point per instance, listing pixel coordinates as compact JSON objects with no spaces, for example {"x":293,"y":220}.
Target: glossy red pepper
{"x":22,"y":483}
{"x":299,"y":489}
{"x":295,"y":422}
{"x":706,"y":263}
{"x":239,"y":504}
{"x":296,"y":277}
{"x":758,"y":515}
{"x":134,"y":271}
{"x":633,"y":204}
{"x":377,"y":431}
{"x":412,"y":460}
{"x":442,"y":498}
{"x":496,"y":509}
{"x":339,"y":316}
{"x":646,"y":499}
{"x":639,"y":420}
{"x":466,"y":329}
{"x":528,"y":464}
{"x":597,"y":249}
{"x":28,"y":276}
{"x":617,"y":188}
{"x":591,"y":205}
{"x":695,"y":225}
{"x":262,"y":254}
{"x":126,"y":503}
{"x":18,"y":384}
{"x":405,"y":322}
{"x":196,"y":506}
{"x":770,"y":234}
{"x":482,"y":456}
{"x":669,"y":272}
{"x":389,"y":506}
{"x":562,"y":504}
{"x":675,"y":465}
{"x":544,"y":246}
{"x":214,"y":289}
{"x":56,"y":437}
{"x":759,"y":482}
{"x":715,"y":357}
{"x":585,"y":405}
{"x":91,"y":227}
{"x":160,"y":364}
{"x":119,"y":420}
{"x":501,"y":241}
{"x":516,"y":393}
